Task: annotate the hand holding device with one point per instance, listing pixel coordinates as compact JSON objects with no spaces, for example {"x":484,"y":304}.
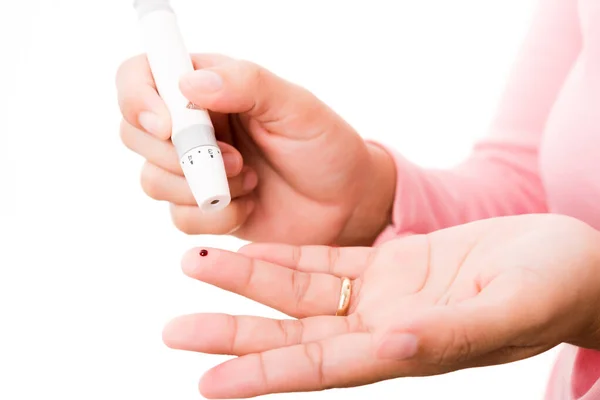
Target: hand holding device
{"x":193,"y":134}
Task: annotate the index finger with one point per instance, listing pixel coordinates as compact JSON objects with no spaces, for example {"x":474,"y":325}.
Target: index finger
{"x":338,"y":261}
{"x":295,"y":293}
{"x":138,"y":99}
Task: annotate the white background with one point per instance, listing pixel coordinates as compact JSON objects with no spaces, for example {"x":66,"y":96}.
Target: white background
{"x":90,"y":266}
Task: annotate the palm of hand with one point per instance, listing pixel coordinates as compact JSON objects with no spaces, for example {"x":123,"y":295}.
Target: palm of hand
{"x":474,"y":295}
{"x":306,"y":179}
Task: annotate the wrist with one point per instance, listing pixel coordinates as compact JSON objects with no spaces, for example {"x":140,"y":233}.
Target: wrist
{"x":373,"y":211}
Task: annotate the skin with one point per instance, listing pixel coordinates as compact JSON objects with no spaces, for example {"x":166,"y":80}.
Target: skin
{"x":489,"y":292}
{"x":298,"y":173}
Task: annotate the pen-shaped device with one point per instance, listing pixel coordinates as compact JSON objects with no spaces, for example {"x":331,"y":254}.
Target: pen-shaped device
{"x":192,"y":133}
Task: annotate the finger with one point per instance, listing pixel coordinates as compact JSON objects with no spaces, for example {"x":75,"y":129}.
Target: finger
{"x":498,"y":317}
{"x":241,"y":335}
{"x":162,"y":185}
{"x":162,"y":153}
{"x":139,"y":101}
{"x":209,"y":60}
{"x":342,"y":262}
{"x":192,"y":221}
{"x":158,"y":152}
{"x":219,"y":120}
{"x":242,"y":87}
{"x":336,"y":362}
{"x":295,"y":293}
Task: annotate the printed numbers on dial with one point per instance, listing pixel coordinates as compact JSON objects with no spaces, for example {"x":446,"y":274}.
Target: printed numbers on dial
{"x":196,"y":155}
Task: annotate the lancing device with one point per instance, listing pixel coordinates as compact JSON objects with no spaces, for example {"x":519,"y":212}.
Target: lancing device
{"x":193,"y":134}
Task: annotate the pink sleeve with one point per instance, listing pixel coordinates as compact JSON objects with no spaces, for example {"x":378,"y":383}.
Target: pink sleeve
{"x":501,"y":176}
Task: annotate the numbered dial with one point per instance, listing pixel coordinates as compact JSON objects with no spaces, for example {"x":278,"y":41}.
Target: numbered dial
{"x":205,"y":173}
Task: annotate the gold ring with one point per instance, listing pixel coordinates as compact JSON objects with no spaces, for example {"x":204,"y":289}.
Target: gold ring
{"x":345,"y":293}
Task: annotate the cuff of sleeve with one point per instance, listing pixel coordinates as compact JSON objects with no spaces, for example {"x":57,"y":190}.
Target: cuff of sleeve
{"x":585,"y":380}
{"x":402,"y":216}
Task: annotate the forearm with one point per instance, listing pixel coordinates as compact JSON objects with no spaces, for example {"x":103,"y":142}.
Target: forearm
{"x":501,"y":177}
{"x":497,"y":180}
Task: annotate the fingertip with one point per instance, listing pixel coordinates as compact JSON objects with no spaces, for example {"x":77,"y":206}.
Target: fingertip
{"x":218,"y":383}
{"x":189,"y":260}
{"x":142,"y":107}
{"x":170,"y":333}
{"x":207,"y":387}
{"x":196,"y":258}
{"x":234,"y":379}
{"x":185,"y":85}
{"x":233,"y":163}
{"x":154,"y":123}
{"x":153,"y":105}
{"x":232,"y":159}
{"x":198,"y":84}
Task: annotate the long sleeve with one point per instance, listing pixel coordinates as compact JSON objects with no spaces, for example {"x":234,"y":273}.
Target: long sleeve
{"x":501,"y":176}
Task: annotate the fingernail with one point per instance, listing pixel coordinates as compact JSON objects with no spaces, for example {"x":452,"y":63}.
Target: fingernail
{"x":231,"y":162}
{"x":150,"y":122}
{"x":399,"y":346}
{"x":204,"y":81}
{"x":250,"y":181}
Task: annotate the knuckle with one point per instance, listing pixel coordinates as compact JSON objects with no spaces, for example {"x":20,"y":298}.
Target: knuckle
{"x":292,"y":331}
{"x":333,"y":255}
{"x":457,"y":350}
{"x":266,"y":381}
{"x":253,"y":71}
{"x":314,"y":353}
{"x":300,"y":285}
{"x":234,"y":338}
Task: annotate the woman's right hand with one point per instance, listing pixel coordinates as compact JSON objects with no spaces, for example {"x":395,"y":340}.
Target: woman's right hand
{"x":298,"y":173}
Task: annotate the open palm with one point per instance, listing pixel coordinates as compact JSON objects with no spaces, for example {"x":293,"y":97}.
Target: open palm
{"x":484,"y":293}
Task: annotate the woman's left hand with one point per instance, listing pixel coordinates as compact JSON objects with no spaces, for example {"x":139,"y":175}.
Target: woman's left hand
{"x":489,"y":292}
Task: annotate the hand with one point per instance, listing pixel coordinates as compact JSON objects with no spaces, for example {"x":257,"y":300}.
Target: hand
{"x":298,"y":173}
{"x":490,"y":292}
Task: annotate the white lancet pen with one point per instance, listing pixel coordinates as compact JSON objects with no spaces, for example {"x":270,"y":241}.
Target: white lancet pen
{"x":193,"y":134}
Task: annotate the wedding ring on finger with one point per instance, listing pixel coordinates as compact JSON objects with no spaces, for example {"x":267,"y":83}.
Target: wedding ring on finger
{"x":345,"y":293}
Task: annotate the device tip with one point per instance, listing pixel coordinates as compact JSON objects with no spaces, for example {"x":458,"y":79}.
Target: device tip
{"x":215,"y":203}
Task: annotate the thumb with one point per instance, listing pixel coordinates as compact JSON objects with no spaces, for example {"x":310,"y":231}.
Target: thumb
{"x":242,"y":87}
{"x":464,"y":332}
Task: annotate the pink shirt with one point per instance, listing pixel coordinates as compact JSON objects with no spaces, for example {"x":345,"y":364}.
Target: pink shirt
{"x":542,"y":155}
